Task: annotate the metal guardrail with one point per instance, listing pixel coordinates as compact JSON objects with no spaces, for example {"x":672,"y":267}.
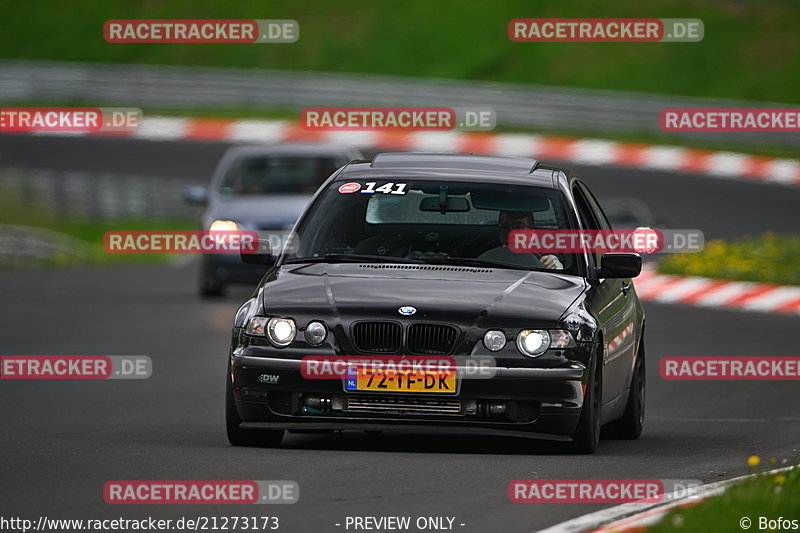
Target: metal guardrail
{"x":69,"y":195}
{"x":24,"y":246}
{"x":516,"y":105}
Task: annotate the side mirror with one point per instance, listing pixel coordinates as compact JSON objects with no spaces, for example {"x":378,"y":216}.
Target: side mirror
{"x":619,"y":266}
{"x":262,"y":256}
{"x":195,"y":194}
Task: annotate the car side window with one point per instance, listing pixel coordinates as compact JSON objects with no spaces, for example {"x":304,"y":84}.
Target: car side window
{"x":587,"y":216}
{"x":585,"y":212}
{"x":599,"y":215}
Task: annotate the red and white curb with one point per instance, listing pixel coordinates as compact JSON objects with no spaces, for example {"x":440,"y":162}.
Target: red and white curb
{"x":718,"y":293}
{"x":727,"y":165}
{"x":635,"y":517}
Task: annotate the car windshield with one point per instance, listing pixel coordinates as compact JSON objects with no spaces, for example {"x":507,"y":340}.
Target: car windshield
{"x":278,"y":175}
{"x":456,"y":223}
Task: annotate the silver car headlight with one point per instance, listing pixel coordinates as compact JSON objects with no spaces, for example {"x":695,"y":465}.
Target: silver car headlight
{"x":281,"y":331}
{"x":533,"y":342}
{"x":223,"y":225}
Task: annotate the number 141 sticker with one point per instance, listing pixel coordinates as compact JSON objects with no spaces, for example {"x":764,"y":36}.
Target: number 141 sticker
{"x":386,"y":188}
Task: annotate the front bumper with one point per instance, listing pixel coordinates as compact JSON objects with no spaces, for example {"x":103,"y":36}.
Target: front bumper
{"x":271,"y":393}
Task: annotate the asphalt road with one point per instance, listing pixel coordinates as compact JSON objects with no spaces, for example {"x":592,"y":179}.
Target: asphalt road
{"x":60,"y":441}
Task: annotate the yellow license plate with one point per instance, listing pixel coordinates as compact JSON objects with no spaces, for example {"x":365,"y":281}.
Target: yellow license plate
{"x":422,"y":381}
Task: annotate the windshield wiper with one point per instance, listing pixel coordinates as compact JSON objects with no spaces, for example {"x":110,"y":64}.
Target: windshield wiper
{"x":362,"y":258}
{"x":467,"y":261}
{"x":353,"y":258}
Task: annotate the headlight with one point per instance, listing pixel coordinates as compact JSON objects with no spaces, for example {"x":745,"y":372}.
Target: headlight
{"x":315,"y":333}
{"x":256,"y":326}
{"x":561,"y":338}
{"x":494,"y":340}
{"x":281,"y":331}
{"x":533,"y":342}
{"x":223,"y":225}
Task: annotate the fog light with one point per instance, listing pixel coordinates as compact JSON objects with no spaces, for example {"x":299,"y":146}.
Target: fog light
{"x":494,"y":340}
{"x":315,"y":333}
{"x":317,"y":402}
{"x":498,"y":408}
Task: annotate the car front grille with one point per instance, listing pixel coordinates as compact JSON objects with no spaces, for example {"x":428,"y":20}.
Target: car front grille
{"x":430,"y":339}
{"x":387,"y":338}
{"x":404,"y":405}
{"x":377,"y":337}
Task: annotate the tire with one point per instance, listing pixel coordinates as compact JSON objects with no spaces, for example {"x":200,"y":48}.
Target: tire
{"x":629,"y":426}
{"x":245,"y":437}
{"x":586,"y":437}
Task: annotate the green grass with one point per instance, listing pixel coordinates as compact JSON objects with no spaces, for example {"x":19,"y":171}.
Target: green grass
{"x":79,"y":240}
{"x":767,"y":258}
{"x":751,"y":50}
{"x":769,"y":495}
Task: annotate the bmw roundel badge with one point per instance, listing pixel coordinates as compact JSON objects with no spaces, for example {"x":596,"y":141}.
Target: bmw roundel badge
{"x":407,"y":310}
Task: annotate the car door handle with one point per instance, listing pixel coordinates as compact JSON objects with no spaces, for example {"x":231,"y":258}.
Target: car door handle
{"x":626,"y":287}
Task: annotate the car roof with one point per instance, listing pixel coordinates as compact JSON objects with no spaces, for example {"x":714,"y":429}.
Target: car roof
{"x":453,"y":161}
{"x":301,"y":149}
{"x":455,"y":167}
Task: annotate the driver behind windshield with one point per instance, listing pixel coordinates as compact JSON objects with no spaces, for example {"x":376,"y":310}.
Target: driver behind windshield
{"x":518,"y":220}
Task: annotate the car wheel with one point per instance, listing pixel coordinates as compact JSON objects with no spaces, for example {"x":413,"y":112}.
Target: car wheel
{"x":211,"y":288}
{"x":587,"y":435}
{"x":630,"y":425}
{"x":245,"y":437}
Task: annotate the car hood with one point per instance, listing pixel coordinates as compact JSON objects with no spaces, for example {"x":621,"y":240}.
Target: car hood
{"x":257,"y":211}
{"x":452,"y":294}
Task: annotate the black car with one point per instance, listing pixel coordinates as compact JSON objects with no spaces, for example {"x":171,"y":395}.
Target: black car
{"x":404,"y":256}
